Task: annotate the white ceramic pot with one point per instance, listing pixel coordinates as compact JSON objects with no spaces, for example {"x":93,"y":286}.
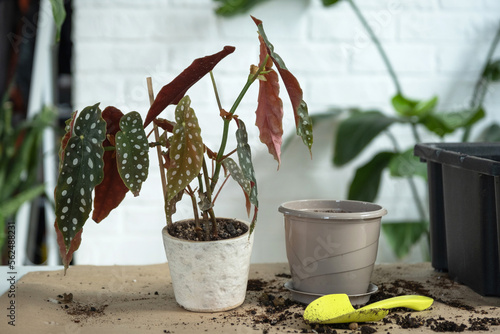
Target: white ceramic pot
{"x":209,"y":276}
{"x":331,"y":245}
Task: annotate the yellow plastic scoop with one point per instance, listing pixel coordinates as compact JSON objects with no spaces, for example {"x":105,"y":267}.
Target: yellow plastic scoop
{"x":336,"y":308}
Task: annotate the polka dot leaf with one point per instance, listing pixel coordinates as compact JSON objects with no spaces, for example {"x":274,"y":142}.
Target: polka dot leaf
{"x":245,"y":160}
{"x":111,"y":191}
{"x":81,"y":170}
{"x":132,"y":152}
{"x":237,"y":175}
{"x":186,"y":149}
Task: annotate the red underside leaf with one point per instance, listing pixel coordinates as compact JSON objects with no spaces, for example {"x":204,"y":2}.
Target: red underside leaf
{"x":254,"y":219}
{"x":173,"y":92}
{"x":67,"y":255}
{"x":111,"y":191}
{"x":270,"y":108}
{"x":303,"y":122}
{"x":165,"y":124}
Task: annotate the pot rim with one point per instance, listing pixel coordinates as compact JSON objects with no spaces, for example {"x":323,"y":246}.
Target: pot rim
{"x":303,"y":208}
{"x":164,"y":232}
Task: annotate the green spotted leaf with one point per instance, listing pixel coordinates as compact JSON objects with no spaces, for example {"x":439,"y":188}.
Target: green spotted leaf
{"x":186,"y":149}
{"x":132,"y":152}
{"x":237,"y":175}
{"x":81,"y":170}
{"x":245,"y":160}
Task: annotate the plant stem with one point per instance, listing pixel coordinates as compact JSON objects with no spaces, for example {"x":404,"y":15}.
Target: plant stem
{"x":197,"y":228}
{"x":219,"y":190}
{"x":411,"y":181}
{"x":481,"y":87}
{"x":415,"y":133}
{"x":377,"y":44}
{"x":225,"y":132}
{"x":206,"y":179}
{"x":158,"y":151}
{"x":216,"y":92}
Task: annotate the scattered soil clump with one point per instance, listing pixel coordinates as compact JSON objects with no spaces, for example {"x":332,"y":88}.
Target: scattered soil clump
{"x":255,"y":285}
{"x":78,"y":310}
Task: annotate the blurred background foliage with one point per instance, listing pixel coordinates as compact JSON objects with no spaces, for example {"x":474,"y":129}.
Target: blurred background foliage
{"x":20,"y":158}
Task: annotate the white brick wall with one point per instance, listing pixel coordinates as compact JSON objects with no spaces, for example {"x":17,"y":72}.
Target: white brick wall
{"x":436,"y":46}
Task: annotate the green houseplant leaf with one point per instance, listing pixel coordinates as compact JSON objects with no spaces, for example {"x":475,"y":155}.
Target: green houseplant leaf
{"x":59,"y":13}
{"x":186,"y":149}
{"x":403,"y":235}
{"x":490,"y":134}
{"x":19,"y":153}
{"x":492,"y":71}
{"x":132,"y":152}
{"x":10,"y":207}
{"x":366,"y":181}
{"x":407,"y":107}
{"x":406,"y":164}
{"x":442,"y":123}
{"x":327,"y":3}
{"x":81,"y":171}
{"x":356,"y":132}
{"x":234,"y":7}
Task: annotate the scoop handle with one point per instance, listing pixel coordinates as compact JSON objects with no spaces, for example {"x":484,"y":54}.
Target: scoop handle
{"x":414,"y":302}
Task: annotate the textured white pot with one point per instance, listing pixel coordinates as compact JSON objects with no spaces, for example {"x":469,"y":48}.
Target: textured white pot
{"x":209,"y":276}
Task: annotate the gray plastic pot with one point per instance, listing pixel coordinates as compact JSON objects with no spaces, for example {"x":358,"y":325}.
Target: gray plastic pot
{"x":209,"y":276}
{"x":331,"y":245}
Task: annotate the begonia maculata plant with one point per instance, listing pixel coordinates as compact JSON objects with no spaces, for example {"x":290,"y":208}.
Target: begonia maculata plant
{"x":104,"y":154}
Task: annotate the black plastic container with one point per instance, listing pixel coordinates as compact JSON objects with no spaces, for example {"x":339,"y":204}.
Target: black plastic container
{"x":464,"y":204}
